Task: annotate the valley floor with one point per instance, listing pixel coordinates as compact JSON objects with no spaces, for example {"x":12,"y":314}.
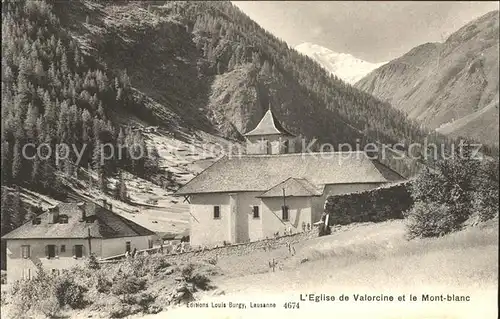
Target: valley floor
{"x":369,"y":259}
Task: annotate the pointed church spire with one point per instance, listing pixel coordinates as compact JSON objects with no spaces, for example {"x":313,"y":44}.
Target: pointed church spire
{"x":269,"y":125}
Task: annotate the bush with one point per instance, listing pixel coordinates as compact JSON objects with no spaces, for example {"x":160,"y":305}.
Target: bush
{"x":49,"y":306}
{"x":128,"y":285}
{"x":121,"y":310}
{"x":431,"y":219}
{"x":212,"y":260}
{"x":69,"y":293}
{"x":195,"y":275}
{"x":142,"y":299}
{"x":200,"y":281}
{"x":35,"y":297}
{"x":103,"y":284}
{"x":92,"y":262}
{"x":458,"y":189}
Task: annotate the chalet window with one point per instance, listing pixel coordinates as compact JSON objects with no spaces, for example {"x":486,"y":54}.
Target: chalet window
{"x":78,"y":251}
{"x":127,"y":246}
{"x":36,"y":221}
{"x":25,"y":250}
{"x":63,"y":219}
{"x":256,"y":213}
{"x":286,"y":146}
{"x":150,"y":243}
{"x":216,"y":212}
{"x":63,"y":248}
{"x":51,"y":251}
{"x":284,"y":213}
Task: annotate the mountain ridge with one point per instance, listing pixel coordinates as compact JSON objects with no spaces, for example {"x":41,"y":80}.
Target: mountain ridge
{"x":443,"y":83}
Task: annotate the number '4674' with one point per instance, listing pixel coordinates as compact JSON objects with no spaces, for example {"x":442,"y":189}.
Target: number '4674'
{"x":291,"y":305}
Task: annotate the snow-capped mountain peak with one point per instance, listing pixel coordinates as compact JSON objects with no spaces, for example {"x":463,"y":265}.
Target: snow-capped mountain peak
{"x":343,"y":65}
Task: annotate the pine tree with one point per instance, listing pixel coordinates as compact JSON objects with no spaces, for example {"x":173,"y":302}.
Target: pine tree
{"x":17,"y":163}
{"x":35,"y":171}
{"x":6,"y":169}
{"x":30,"y":122}
{"x":18,"y":212}
{"x":121,"y":189}
{"x":6,"y":211}
{"x":153,"y":161}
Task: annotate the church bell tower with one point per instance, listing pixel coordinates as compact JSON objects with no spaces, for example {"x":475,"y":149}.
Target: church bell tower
{"x":270,"y":137}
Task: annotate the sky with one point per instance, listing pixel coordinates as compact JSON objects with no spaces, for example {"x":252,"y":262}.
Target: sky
{"x":376,"y":31}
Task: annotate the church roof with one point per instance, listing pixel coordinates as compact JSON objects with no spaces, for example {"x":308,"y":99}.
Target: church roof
{"x":102,"y":223}
{"x":238,"y":173}
{"x":294,"y":187}
{"x":269,"y":125}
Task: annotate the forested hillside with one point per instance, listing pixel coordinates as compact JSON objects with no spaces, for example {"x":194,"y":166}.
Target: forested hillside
{"x":75,"y":72}
{"x":193,"y":57}
{"x":54,"y":94}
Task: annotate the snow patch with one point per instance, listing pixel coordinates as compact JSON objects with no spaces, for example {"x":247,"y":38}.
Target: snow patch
{"x":343,"y":65}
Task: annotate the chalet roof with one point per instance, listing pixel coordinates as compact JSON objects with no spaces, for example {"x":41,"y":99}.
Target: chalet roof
{"x":294,"y":187}
{"x":269,"y":125}
{"x":262,"y":172}
{"x":102,"y":223}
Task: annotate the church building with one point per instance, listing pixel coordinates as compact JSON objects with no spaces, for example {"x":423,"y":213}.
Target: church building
{"x":272,"y":189}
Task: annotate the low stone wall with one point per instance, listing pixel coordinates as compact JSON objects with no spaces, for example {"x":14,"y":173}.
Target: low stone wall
{"x":241,"y":249}
{"x":376,"y":205}
{"x":198,"y":255}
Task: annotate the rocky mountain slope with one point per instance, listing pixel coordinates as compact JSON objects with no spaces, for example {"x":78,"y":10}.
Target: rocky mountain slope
{"x":450,"y":86}
{"x":343,"y":65}
{"x":208,"y":66}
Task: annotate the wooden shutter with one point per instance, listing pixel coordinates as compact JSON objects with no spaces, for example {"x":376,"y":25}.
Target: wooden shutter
{"x":284,"y":212}
{"x":56,"y":250}
{"x":256,"y":213}
{"x":73,"y":250}
{"x":83,"y":251}
{"x":47,"y":251}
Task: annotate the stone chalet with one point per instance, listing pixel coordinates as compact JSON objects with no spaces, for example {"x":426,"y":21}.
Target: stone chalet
{"x":271,"y":189}
{"x":67,"y":234}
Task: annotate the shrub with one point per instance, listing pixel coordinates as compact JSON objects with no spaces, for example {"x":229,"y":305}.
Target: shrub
{"x":429,"y":219}
{"x":212,"y":260}
{"x":92,"y":262}
{"x":49,"y":306}
{"x":103,"y":284}
{"x":195,"y":275}
{"x":486,"y":191}
{"x":187,"y":271}
{"x":142,"y":299}
{"x":458,"y":188}
{"x":200,"y":281}
{"x":35,"y":297}
{"x":69,"y":293}
{"x":121,"y":310}
{"x":128,"y":285}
